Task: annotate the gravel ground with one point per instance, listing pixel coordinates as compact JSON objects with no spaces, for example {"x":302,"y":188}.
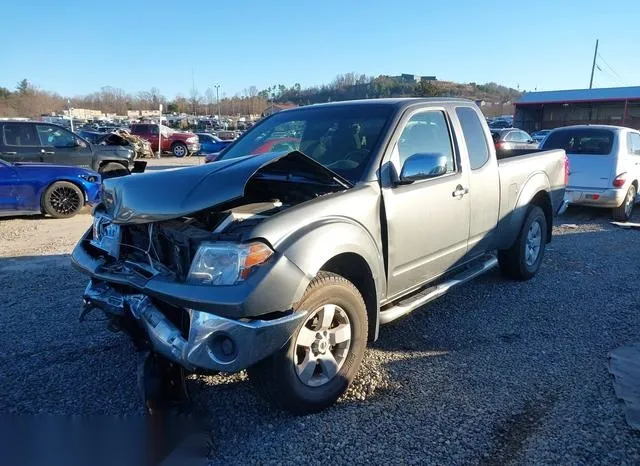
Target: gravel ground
{"x":496,"y":372}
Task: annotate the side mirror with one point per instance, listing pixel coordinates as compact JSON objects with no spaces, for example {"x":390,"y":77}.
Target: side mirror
{"x":422,"y":167}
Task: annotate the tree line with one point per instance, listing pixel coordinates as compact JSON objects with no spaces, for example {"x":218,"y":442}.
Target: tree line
{"x":27,"y":100}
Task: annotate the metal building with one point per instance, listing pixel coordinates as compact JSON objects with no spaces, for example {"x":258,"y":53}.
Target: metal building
{"x":547,"y":110}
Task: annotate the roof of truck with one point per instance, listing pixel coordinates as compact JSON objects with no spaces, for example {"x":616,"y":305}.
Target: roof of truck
{"x":395,"y":102}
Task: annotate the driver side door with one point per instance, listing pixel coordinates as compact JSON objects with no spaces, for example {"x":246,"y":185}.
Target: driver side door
{"x":62,"y":147}
{"x":427,"y":220}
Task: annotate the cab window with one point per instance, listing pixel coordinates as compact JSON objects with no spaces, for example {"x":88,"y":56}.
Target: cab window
{"x":20,"y":134}
{"x":474,"y":137}
{"x":54,"y":136}
{"x":426,"y":133}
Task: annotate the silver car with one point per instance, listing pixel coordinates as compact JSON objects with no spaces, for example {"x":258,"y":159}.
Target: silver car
{"x":604,"y":166}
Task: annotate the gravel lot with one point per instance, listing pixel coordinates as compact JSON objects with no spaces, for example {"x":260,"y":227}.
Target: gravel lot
{"x":496,"y":372}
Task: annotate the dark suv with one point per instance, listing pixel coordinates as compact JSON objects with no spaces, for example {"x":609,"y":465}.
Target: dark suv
{"x":32,"y":141}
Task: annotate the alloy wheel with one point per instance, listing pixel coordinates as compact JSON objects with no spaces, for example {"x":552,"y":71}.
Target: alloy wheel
{"x":534,"y":241}
{"x":322,"y":345}
{"x":65,"y":200}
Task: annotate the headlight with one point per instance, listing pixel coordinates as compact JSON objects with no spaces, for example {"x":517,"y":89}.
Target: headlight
{"x":90,"y":178}
{"x":226,"y":263}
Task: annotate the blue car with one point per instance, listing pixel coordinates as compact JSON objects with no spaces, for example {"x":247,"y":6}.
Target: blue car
{"x":210,"y":144}
{"x":57,"y":190}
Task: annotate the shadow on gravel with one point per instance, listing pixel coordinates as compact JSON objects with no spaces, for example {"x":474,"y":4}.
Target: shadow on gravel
{"x":581,"y":214}
{"x":33,"y":263}
{"x":85,"y":210}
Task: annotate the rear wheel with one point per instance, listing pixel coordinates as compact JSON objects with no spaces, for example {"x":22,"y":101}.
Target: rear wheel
{"x":179,"y":149}
{"x":623,"y":212}
{"x":317,"y":365}
{"x":113,"y":169}
{"x":62,"y":200}
{"x":522,"y":260}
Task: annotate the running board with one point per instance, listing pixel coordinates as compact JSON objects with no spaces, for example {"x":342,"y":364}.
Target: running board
{"x":407,"y":305}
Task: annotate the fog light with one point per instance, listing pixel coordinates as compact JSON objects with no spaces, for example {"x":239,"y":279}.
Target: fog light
{"x":223,"y":348}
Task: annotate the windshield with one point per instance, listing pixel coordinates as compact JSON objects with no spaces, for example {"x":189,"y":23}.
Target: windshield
{"x":340,"y":138}
{"x":591,"y":141}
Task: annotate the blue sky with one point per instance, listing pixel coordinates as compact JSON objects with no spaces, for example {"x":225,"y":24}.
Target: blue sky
{"x":75,"y":48}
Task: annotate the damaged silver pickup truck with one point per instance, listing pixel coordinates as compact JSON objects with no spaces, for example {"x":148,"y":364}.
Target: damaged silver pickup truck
{"x":286,"y":264}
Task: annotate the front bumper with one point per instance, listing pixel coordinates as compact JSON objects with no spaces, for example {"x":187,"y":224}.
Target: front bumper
{"x":273,"y":288}
{"x":213,"y":342}
{"x":193,"y":147}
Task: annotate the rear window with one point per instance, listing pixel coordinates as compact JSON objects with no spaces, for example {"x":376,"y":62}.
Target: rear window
{"x":590,"y":141}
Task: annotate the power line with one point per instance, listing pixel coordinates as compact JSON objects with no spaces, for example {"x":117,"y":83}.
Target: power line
{"x":622,"y":81}
{"x":606,"y":73}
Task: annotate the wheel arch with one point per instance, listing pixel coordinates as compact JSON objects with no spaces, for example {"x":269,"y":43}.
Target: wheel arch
{"x":543,"y":200}
{"x":534,"y":191}
{"x":345,"y":247}
{"x":355,"y":268}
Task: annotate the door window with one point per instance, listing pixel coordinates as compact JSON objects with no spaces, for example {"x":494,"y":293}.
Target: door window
{"x":54,"y":136}
{"x":20,"y":134}
{"x":426,"y":132}
{"x":474,"y":136}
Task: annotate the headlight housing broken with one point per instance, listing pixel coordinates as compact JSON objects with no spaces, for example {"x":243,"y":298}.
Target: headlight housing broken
{"x":226,"y":263}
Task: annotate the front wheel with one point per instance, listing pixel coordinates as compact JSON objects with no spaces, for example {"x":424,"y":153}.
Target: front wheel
{"x":62,"y":200}
{"x":623,"y":212}
{"x":522,"y":260}
{"x":179,"y":149}
{"x":317,"y":365}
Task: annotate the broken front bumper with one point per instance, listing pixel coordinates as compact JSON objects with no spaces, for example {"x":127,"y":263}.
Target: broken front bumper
{"x":213,"y":342}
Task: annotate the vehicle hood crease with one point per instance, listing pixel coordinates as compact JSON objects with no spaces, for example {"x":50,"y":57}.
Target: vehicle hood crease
{"x":169,"y":194}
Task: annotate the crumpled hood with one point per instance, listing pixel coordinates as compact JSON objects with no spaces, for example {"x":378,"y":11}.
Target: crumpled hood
{"x":168,"y":194}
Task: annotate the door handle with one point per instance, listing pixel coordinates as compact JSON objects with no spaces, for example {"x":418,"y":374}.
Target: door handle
{"x":10,"y":153}
{"x":47,"y":152}
{"x":460,"y":191}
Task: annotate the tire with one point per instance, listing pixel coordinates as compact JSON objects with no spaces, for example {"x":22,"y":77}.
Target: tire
{"x":523,"y":259}
{"x":623,"y":212}
{"x":280,"y":378}
{"x":113,"y":169}
{"x":62,"y":200}
{"x":179,"y":149}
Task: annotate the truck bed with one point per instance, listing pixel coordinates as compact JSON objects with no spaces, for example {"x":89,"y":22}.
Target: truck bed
{"x":517,"y":171}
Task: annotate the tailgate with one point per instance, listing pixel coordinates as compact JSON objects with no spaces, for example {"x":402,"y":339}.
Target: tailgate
{"x":590,"y":170}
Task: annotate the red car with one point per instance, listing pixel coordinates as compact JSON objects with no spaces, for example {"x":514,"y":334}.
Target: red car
{"x":177,"y":142}
{"x":271,"y":145}
{"x":278,"y":145}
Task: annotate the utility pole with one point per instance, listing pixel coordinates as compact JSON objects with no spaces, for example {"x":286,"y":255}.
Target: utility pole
{"x":593,"y":67}
{"x":217,"y":86}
